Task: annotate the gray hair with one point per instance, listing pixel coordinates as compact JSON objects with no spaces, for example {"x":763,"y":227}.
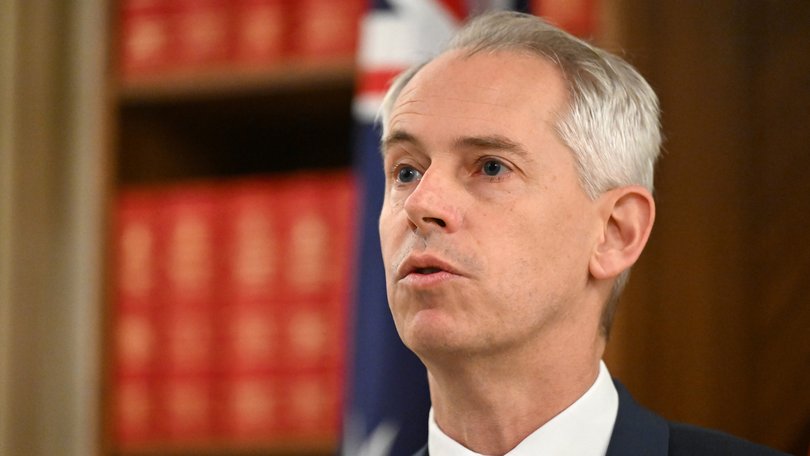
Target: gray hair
{"x":611,"y":123}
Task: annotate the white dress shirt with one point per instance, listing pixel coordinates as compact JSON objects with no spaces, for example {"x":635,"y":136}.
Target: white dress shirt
{"x":583,"y":429}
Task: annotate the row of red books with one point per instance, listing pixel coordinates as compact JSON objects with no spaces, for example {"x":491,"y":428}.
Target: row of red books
{"x":230,"y":309}
{"x":161,"y":36}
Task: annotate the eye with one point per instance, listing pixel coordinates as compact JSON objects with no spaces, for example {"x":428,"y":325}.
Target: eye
{"x":493,"y":168}
{"x":407,"y":174}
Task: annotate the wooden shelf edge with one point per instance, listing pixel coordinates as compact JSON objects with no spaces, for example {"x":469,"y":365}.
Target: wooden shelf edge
{"x":286,"y":448}
{"x":216,"y":82}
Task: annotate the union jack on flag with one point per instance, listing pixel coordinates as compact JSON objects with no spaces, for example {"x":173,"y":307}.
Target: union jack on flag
{"x":387,"y":397}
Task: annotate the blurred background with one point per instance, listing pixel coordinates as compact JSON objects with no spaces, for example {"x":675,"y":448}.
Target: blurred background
{"x":188,"y":190}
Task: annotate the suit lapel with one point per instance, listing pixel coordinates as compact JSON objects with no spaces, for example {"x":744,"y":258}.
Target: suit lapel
{"x":637,"y":430}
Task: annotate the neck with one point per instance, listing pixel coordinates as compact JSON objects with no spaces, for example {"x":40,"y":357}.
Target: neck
{"x":490,"y":405}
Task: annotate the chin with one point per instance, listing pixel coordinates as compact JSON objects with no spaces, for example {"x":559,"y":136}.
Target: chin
{"x":428,"y":332}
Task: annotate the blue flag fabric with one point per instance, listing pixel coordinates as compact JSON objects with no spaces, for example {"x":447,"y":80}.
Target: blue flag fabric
{"x":387,"y":398}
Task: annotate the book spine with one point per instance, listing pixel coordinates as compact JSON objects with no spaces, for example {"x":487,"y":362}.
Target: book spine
{"x":260,"y":31}
{"x":202,"y":34}
{"x":146,"y":37}
{"x":190,"y":229}
{"x":135,"y":330}
{"x":251,"y":330}
{"x":318,"y":248}
{"x":325,"y":28}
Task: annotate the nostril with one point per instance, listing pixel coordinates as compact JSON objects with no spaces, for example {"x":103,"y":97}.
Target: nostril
{"x":435,"y":220}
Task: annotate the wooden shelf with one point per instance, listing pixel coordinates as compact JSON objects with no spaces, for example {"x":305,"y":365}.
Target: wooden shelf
{"x":287,"y":76}
{"x":283,"y":448}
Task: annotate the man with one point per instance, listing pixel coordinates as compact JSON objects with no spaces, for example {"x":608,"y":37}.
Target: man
{"x":519,"y":167}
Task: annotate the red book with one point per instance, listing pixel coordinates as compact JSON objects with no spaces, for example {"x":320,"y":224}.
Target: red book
{"x":190,"y":235}
{"x":250,"y":330}
{"x":318,"y":256}
{"x":251,"y":340}
{"x":187,"y":341}
{"x":312,"y":404}
{"x":136,"y":280}
{"x":577,"y":17}
{"x":133,"y":411}
{"x":135,"y":333}
{"x":254,"y":213}
{"x":318,"y":231}
{"x":202,"y":33}
{"x":314,"y":334}
{"x":260,"y":31}
{"x":326,"y":28}
{"x":145,"y":37}
{"x":185,"y":410}
{"x":136,"y":342}
{"x":251,"y":408}
{"x":136,"y":248}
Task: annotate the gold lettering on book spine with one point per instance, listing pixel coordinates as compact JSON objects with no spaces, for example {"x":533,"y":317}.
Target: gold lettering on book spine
{"x":309,"y":254}
{"x":137,"y":260}
{"x":254,"y":259}
{"x":190,"y":256}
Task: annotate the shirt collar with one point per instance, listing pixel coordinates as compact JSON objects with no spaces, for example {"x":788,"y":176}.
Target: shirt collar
{"x":584,"y":428}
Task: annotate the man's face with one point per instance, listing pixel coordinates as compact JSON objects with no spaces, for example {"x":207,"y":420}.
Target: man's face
{"x":486,"y":232}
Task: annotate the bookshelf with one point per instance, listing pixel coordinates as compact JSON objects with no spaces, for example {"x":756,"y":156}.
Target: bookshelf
{"x":290,"y":75}
{"x":217,"y":127}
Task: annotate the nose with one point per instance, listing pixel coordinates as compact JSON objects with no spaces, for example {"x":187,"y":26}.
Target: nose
{"x":431,"y":206}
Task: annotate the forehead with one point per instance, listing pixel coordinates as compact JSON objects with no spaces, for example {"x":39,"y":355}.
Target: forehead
{"x":486,"y":90}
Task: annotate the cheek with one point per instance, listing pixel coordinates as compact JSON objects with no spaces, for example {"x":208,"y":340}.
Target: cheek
{"x":543,"y":244}
{"x":386,"y":229}
{"x":392,"y":229}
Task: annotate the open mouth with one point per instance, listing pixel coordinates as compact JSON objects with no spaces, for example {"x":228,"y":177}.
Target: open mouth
{"x":425,"y":269}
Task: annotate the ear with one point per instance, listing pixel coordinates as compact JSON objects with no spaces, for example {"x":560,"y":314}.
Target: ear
{"x":627,"y":215}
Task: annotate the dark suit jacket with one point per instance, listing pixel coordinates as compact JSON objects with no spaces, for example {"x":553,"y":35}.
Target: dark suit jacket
{"x":640,"y":432}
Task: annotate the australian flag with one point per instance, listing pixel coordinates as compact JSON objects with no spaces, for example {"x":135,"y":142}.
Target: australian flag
{"x":387,"y":397}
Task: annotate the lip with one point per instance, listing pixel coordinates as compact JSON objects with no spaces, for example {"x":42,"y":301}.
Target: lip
{"x":408,"y":270}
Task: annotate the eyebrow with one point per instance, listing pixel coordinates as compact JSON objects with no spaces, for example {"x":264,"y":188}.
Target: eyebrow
{"x":491,"y":142}
{"x":398,"y":137}
{"x":486,"y":142}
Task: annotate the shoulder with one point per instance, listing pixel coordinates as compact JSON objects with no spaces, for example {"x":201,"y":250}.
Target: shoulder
{"x":422,"y":452}
{"x":640,"y":431}
{"x":691,"y":440}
